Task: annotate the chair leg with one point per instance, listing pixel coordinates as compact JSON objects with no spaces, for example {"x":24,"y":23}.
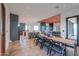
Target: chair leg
{"x":36,"y":43}
{"x":47,"y":51}
{"x":50,"y":52}
{"x":41,"y":46}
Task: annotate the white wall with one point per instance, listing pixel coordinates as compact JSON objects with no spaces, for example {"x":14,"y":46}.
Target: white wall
{"x":7,"y":27}
{"x":72,"y":12}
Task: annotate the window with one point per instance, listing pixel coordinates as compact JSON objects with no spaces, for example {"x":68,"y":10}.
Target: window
{"x":25,"y":27}
{"x":36,"y":27}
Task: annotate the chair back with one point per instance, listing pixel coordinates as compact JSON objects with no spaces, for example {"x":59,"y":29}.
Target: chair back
{"x":24,"y":33}
{"x":21,"y":33}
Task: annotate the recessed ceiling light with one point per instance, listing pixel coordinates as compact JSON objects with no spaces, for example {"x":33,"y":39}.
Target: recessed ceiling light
{"x":56,"y":7}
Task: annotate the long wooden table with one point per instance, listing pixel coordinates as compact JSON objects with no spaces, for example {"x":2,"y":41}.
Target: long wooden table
{"x":68,"y":42}
{"x":62,"y":40}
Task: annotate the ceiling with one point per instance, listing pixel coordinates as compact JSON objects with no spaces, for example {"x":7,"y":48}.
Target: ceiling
{"x":33,"y":12}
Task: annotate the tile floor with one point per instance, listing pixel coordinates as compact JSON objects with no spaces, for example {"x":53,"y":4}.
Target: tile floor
{"x":30,"y":49}
{"x":16,"y":49}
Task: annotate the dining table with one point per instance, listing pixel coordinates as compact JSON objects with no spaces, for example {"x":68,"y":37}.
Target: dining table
{"x":67,"y":42}
{"x":60,"y":39}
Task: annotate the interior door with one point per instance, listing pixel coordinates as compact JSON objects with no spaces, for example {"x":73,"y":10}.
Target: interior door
{"x":13,"y":27}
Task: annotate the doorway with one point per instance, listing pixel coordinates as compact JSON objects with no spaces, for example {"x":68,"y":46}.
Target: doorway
{"x":14,"y":27}
{"x":72,"y":28}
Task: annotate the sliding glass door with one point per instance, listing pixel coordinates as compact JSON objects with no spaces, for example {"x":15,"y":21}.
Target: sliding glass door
{"x":72,"y":28}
